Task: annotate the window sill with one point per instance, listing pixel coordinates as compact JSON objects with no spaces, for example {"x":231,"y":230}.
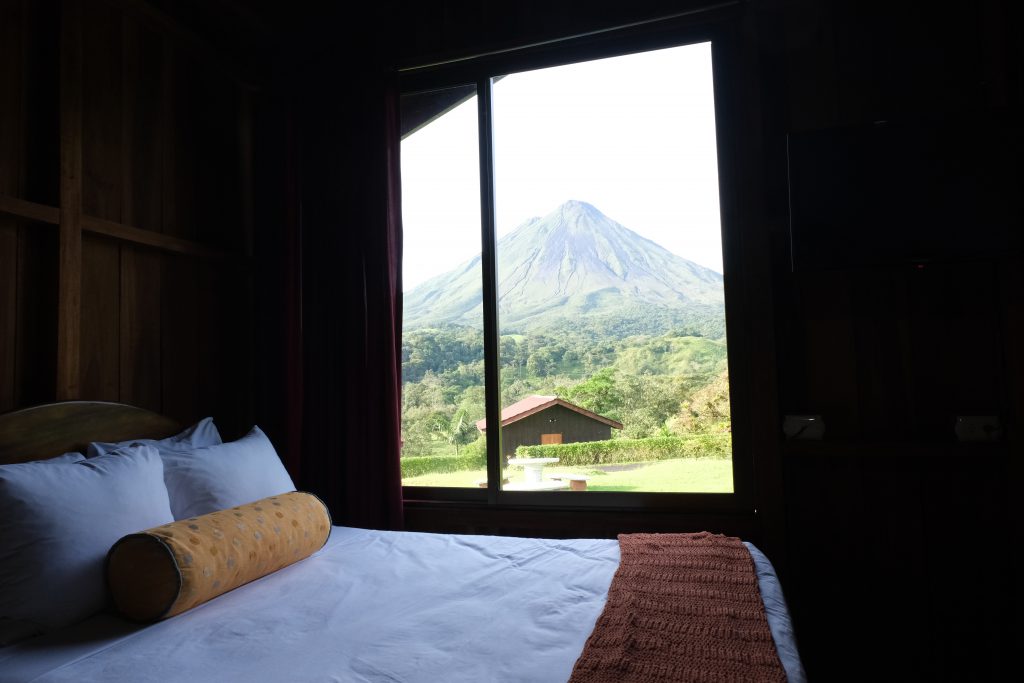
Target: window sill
{"x":732,"y":503}
{"x":894,"y":449}
{"x":541,"y":521}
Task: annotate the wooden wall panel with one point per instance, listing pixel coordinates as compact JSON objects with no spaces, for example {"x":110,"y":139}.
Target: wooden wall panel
{"x":27,"y":152}
{"x":101,"y":318}
{"x":8,"y":308}
{"x":69,"y":240}
{"x":143,"y":132}
{"x":180,"y":338}
{"x":102,"y":97}
{"x":12,"y":74}
{"x":11,"y":171}
{"x":40,"y":163}
{"x":165,"y":322}
{"x":140,"y":327}
{"x":179,"y":154}
{"x":36,"y":334}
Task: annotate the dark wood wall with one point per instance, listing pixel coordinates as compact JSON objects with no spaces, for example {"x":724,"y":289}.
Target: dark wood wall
{"x":125,"y":213}
{"x":571,"y":425}
{"x":888,"y":516}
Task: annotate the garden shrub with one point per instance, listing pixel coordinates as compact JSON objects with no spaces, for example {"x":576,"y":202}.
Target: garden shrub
{"x":633,"y":450}
{"x":469,"y":459}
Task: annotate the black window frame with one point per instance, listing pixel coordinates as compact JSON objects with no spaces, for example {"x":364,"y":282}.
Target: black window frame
{"x":723,"y":34}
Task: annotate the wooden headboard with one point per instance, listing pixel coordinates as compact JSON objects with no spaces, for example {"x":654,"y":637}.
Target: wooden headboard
{"x":48,"y":430}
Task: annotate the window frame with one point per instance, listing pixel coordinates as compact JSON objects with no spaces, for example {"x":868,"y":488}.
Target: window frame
{"x":722,"y":34}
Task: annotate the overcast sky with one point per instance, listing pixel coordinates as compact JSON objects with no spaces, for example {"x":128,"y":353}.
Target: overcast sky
{"x":632,"y":135}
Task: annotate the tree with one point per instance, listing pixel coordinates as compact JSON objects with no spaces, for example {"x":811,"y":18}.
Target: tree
{"x":648,"y":401}
{"x":418,"y":432}
{"x":599,"y":393}
{"x":707,"y":410}
{"x":513,"y":391}
{"x":536,"y":365}
{"x":454,"y":430}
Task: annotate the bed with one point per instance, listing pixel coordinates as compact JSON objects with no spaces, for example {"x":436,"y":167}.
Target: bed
{"x":368,"y":606}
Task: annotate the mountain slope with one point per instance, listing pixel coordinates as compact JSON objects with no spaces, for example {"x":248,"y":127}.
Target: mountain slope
{"x":577,"y":267}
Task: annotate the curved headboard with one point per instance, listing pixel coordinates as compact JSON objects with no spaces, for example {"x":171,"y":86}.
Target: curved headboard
{"x":50,"y":429}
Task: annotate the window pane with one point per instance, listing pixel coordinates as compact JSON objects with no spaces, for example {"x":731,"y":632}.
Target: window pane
{"x":442,"y":338}
{"x":611,"y":298}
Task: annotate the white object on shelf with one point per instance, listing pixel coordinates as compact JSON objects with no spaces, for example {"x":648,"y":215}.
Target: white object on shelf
{"x":978,"y":428}
{"x":810,"y":427}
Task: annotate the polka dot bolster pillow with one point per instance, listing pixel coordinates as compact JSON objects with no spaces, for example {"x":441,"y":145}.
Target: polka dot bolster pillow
{"x":172,"y":568}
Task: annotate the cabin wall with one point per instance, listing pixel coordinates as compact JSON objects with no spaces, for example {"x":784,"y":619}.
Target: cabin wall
{"x":573,"y":427}
{"x":125,"y":270}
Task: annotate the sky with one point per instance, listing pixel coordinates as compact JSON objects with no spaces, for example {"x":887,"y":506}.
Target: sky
{"x":632,"y":135}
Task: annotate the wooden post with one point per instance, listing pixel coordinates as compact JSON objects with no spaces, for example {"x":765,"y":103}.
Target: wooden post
{"x":69,"y":288}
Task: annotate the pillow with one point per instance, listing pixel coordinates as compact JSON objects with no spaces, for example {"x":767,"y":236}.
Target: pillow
{"x":202,"y":433}
{"x":66,"y":457}
{"x":217,"y":477}
{"x":15,"y":630}
{"x":165,"y":571}
{"x":58,"y":519}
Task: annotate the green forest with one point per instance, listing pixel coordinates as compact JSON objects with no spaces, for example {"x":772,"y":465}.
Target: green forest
{"x":662,"y":385}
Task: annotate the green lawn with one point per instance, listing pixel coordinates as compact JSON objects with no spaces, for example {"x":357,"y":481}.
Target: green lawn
{"x":691,"y":475}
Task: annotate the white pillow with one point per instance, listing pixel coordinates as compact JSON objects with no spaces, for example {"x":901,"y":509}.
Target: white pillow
{"x":223,"y":476}
{"x":58,"y":519}
{"x":202,"y":433}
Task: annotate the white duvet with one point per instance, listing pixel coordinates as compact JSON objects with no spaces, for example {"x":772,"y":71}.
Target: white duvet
{"x":373,"y":606}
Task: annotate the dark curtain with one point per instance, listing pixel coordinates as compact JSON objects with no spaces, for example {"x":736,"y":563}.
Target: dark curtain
{"x":346,"y":363}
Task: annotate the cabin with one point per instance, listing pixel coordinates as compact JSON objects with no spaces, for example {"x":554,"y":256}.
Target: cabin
{"x":540,"y":420}
{"x":197,"y":217}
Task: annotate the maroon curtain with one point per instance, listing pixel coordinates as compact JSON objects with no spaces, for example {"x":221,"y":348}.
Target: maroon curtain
{"x":291,"y":253}
{"x":349,"y":267}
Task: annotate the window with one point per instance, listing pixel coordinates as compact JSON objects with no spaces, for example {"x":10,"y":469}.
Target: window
{"x":563,"y":279}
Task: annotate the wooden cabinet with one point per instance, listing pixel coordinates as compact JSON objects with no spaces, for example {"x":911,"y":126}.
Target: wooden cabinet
{"x":899,"y":562}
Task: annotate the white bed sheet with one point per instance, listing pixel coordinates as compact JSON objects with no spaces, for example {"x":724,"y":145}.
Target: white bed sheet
{"x":374,"y":606}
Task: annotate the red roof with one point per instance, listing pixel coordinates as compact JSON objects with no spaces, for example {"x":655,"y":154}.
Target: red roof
{"x":534,"y":404}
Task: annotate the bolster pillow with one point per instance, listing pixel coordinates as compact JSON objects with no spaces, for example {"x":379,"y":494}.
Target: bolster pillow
{"x":172,"y":568}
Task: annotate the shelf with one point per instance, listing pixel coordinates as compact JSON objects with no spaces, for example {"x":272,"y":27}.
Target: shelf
{"x":894,"y":449}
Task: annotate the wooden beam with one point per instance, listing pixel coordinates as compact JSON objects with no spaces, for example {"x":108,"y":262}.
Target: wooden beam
{"x":69,"y":287}
{"x":40,"y":213}
{"x":148,"y":238}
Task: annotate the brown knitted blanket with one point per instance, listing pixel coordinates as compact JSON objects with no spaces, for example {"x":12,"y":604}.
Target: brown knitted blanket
{"x":681,"y":607}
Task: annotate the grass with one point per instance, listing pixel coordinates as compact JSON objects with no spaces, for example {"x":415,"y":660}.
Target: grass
{"x":690,"y":475}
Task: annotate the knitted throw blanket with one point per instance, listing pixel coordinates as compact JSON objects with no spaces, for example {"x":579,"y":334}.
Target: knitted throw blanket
{"x":681,"y":607}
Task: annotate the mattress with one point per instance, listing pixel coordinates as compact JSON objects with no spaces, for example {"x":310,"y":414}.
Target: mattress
{"x":375,"y":606}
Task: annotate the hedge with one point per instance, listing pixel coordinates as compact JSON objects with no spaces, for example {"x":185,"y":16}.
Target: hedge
{"x":633,"y":450}
{"x":439,"y":464}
